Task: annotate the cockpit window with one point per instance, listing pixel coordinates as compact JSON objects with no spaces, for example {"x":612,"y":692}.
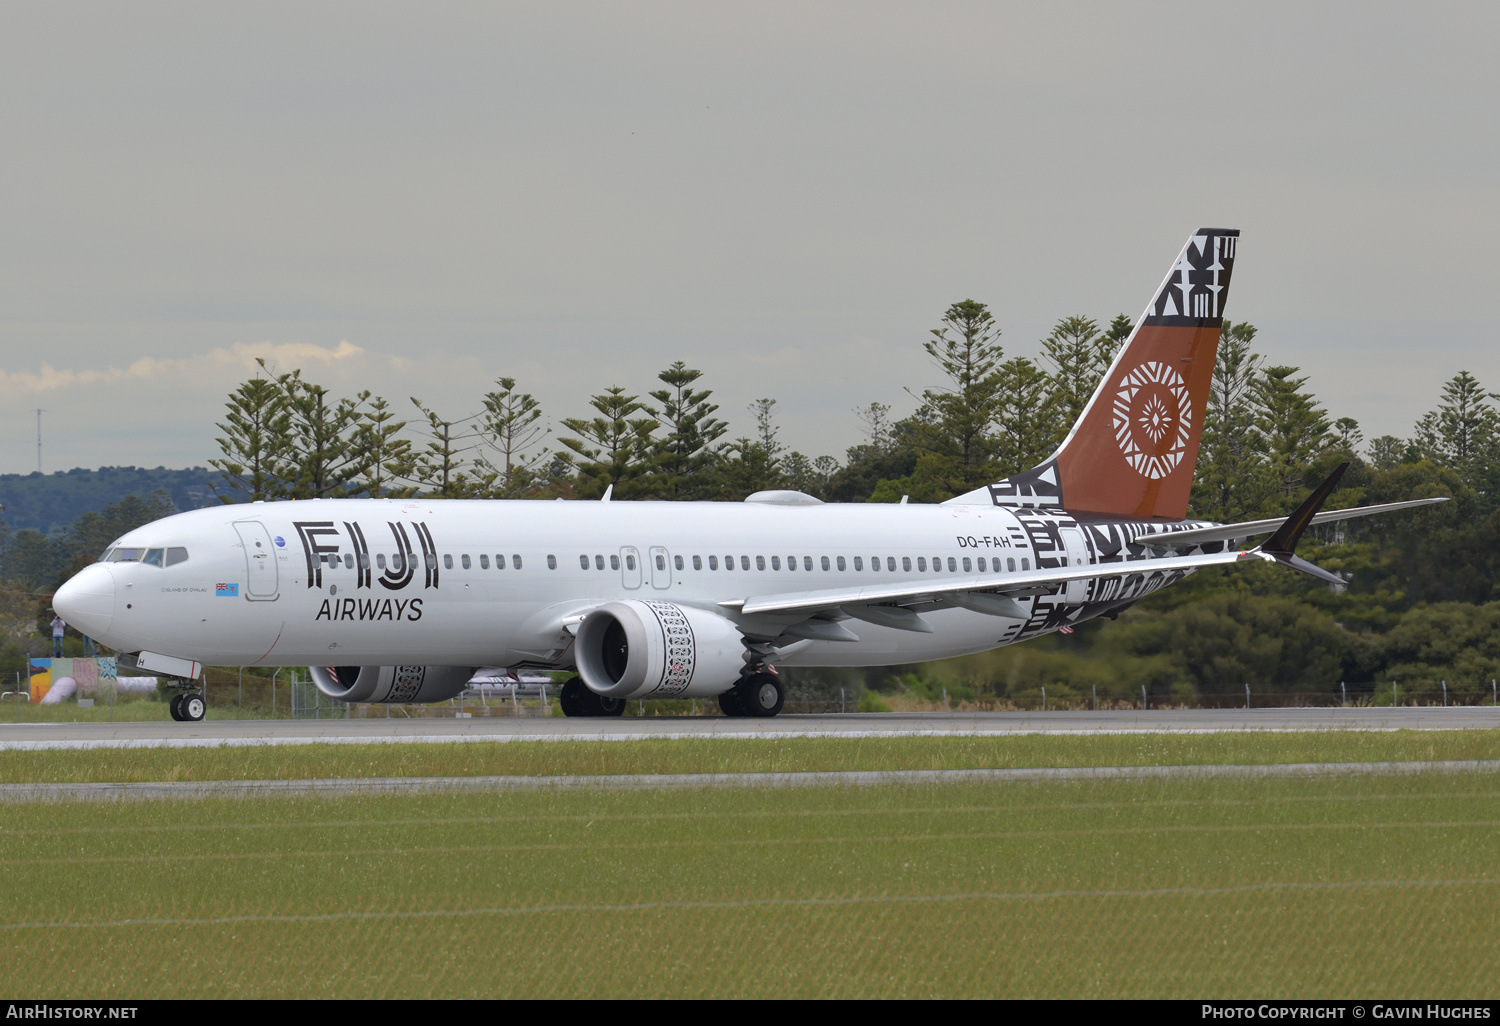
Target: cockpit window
{"x":107,"y":553}
{"x":122,"y":554}
{"x":176,"y":555}
{"x":153,"y":557}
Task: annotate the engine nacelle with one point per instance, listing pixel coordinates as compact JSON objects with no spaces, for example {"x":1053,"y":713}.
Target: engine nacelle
{"x":391,"y":683}
{"x":646,"y":649}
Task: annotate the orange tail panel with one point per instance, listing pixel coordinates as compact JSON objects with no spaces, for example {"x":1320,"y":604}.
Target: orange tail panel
{"x":1133,"y":450}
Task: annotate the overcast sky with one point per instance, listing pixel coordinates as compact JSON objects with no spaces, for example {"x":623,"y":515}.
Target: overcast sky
{"x":418,"y":198}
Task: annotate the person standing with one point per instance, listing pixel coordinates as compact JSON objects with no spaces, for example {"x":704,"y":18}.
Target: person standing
{"x":57,"y":635}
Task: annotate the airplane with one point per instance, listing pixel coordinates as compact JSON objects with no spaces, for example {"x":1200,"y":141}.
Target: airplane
{"x":403,"y":599}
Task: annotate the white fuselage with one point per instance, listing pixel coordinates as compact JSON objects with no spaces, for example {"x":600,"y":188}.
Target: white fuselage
{"x":495,"y":583}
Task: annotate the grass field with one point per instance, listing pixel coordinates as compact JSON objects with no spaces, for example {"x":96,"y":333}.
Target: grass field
{"x":1364,"y":886}
{"x":729,"y":755}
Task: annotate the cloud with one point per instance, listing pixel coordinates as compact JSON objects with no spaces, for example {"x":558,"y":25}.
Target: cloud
{"x":239,"y":357}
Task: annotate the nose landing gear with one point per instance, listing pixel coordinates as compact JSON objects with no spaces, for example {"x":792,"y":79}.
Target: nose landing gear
{"x":188,"y":707}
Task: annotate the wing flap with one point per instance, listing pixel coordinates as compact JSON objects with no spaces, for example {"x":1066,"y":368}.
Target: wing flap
{"x":910,"y":592}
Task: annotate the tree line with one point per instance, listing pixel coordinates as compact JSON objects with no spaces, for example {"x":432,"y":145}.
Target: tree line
{"x":1415,"y":581}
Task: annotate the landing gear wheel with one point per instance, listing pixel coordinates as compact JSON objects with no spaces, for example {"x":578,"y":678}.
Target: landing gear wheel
{"x":192,"y":708}
{"x":761,"y":694}
{"x":729,"y":702}
{"x":572,"y":698}
{"x":577,"y":700}
{"x":176,"y":707}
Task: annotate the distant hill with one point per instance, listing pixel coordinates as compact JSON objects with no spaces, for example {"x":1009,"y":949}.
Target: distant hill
{"x":50,"y":502}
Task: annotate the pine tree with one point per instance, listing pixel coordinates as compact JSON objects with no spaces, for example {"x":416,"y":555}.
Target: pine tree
{"x":384,"y":456}
{"x":683,"y":453}
{"x":961,"y":413}
{"x":321,"y":460}
{"x":1078,"y":354}
{"x":1292,"y":430}
{"x":253,"y":443}
{"x":1025,"y":433}
{"x":614,"y":448}
{"x":511,"y":425}
{"x":1463,"y":432}
{"x":1229,"y":483}
{"x":443,"y":467}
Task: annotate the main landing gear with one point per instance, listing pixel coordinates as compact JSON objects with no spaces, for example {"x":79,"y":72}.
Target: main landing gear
{"x":757,"y":694}
{"x":577,"y":700}
{"x":188,"y":706}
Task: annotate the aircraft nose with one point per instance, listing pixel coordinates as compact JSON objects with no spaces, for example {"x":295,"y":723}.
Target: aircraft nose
{"x":87,"y":600}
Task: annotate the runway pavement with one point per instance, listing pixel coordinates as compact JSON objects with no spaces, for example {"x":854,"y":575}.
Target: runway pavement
{"x":212,"y":733}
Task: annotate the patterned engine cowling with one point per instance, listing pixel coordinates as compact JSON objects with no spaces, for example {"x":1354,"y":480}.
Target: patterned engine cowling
{"x":645,"y":649}
{"x":391,"y":683}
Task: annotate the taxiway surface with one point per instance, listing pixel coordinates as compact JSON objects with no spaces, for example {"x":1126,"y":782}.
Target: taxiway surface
{"x":209,"y":733}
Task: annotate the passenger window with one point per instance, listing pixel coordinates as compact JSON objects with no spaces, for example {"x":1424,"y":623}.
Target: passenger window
{"x":890,"y":563}
{"x":515,"y":560}
{"x":464,"y":559}
{"x":745,"y":563}
{"x":840,"y":563}
{"x":583,"y":561}
{"x":447,"y":561}
{"x":614,"y":562}
{"x":859,"y":563}
{"x":431,"y":560}
{"x":937,"y":564}
{"x":697,"y":562}
{"x":153,"y":557}
{"x":760,"y":562}
{"x":484,"y":561}
{"x":775,"y":562}
{"x":364,"y":560}
{"x":981,"y":564}
{"x":807,"y":562}
{"x":500,"y":562}
{"x":176,"y":555}
{"x":713,"y":562}
{"x":1010,"y":564}
{"x":922,"y":563}
{"x":349,"y":561}
{"x":551,"y":562}
{"x":875,"y":563}
{"x":825,"y":562}
{"x":952,"y":565}
{"x":661,"y":562}
{"x":380,"y":560}
{"x":677,"y":561}
{"x":629,"y":562}
{"x":967,"y":565}
{"x":598,"y":562}
{"x":906,"y":563}
{"x":1025,"y":563}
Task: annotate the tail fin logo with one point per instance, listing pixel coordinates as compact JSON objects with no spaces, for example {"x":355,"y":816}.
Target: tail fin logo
{"x":1153,"y":419}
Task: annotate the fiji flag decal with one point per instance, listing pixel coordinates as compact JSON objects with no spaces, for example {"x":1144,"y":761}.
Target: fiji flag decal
{"x":227,"y":590}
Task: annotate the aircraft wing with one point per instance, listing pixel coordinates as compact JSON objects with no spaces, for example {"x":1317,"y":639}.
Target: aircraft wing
{"x":1033,"y":582}
{"x":1234,"y":532}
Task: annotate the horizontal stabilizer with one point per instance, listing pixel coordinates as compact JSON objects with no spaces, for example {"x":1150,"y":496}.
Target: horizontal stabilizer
{"x":1238,"y":532}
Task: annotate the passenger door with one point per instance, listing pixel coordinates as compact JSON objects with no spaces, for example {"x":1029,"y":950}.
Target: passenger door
{"x":260,"y":560}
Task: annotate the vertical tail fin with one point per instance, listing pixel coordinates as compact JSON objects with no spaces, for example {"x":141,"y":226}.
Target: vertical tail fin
{"x":1133,"y":449}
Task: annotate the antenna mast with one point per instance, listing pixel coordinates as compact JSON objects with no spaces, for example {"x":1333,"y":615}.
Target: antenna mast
{"x":39,"y":440}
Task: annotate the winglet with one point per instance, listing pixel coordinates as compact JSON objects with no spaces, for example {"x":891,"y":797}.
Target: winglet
{"x":1281,"y":546}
